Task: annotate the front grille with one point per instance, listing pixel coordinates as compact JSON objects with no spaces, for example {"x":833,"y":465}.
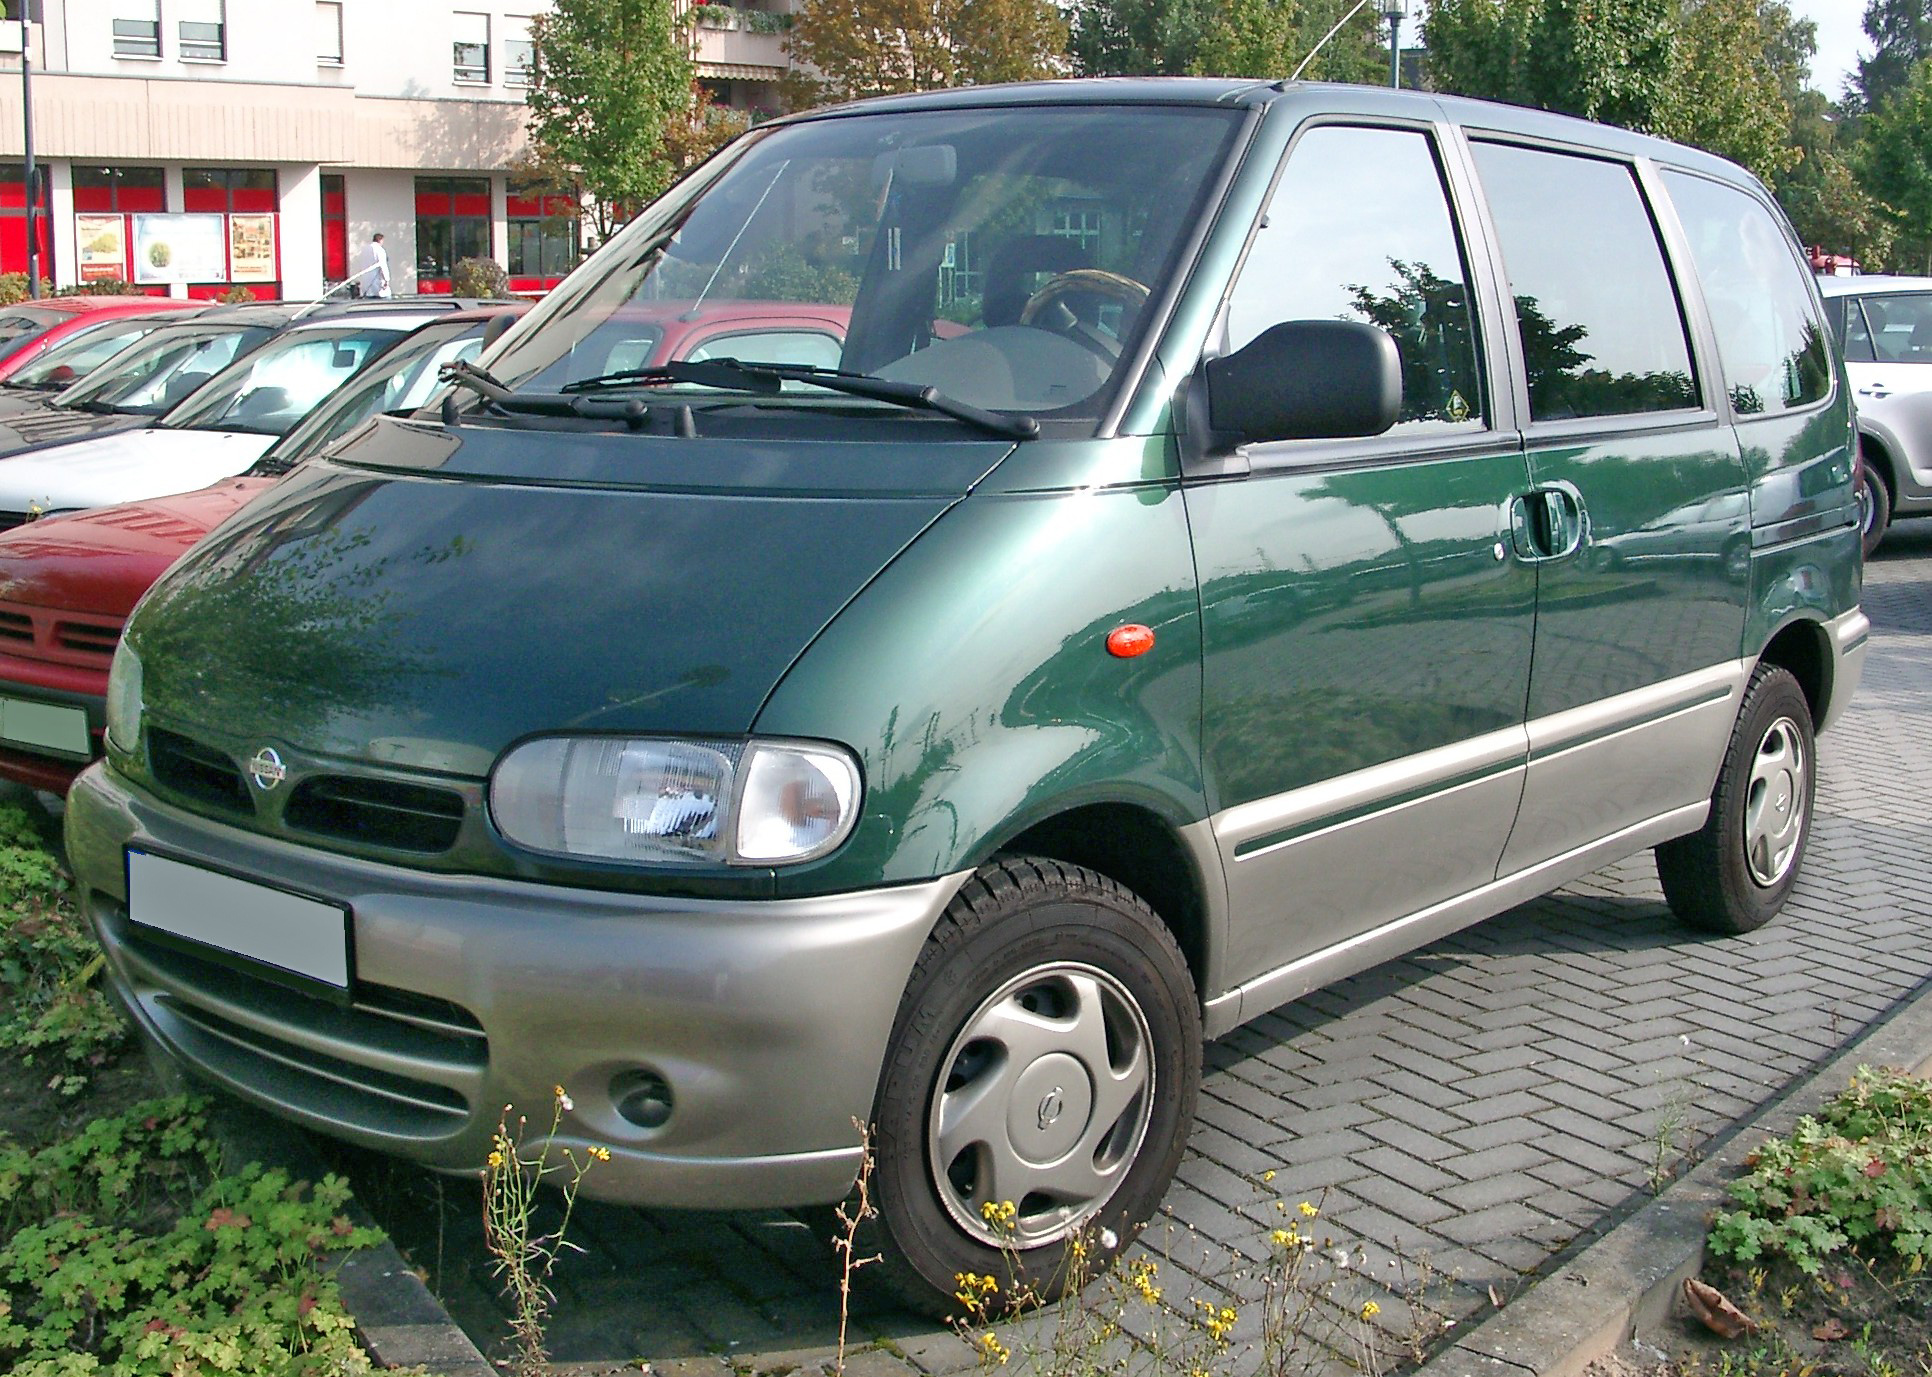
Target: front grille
{"x":376,"y":812}
{"x":197,"y":771}
{"x":88,"y":639}
{"x":265,"y":1035}
{"x":16,"y":626}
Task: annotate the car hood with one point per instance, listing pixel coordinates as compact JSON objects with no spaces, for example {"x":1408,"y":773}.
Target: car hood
{"x":597,"y":583}
{"x":39,"y":424}
{"x":102,"y":561}
{"x":126,"y":467}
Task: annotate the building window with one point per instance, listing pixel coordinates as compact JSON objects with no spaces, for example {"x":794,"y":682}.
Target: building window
{"x":335,"y":227}
{"x":139,"y":36}
{"x":452,"y":223}
{"x":543,"y":236}
{"x":203,"y":34}
{"x":225,"y":189}
{"x":517,"y":50}
{"x":123,"y":190}
{"x":328,"y":33}
{"x":472,"y":47}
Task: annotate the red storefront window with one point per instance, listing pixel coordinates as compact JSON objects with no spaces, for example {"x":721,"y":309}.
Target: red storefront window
{"x":335,"y":228}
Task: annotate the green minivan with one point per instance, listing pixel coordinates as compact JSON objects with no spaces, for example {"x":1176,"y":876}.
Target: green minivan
{"x":1249,"y":530}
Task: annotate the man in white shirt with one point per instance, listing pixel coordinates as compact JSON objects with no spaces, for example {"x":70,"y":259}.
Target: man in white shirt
{"x":372,"y":274}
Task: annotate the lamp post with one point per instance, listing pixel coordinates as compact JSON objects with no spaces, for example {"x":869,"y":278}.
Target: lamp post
{"x":1393,"y":11}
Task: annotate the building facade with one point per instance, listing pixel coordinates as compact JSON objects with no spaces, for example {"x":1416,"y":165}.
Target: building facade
{"x":191,"y":146}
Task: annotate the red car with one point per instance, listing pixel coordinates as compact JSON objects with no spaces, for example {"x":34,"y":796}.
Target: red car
{"x":68,"y":583}
{"x":28,"y":328}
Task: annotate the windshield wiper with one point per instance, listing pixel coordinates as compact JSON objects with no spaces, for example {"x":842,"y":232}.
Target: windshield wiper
{"x":918,"y":396}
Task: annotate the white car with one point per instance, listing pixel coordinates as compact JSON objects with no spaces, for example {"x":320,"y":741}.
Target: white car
{"x":215,"y":433}
{"x":1884,"y":325}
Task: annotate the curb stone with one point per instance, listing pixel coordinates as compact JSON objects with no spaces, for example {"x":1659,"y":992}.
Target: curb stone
{"x":400,"y":1323}
{"x":1624,"y":1286}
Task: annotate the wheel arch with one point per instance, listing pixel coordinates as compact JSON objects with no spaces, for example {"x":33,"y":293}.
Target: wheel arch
{"x":1803,"y":646}
{"x":1877,"y":451}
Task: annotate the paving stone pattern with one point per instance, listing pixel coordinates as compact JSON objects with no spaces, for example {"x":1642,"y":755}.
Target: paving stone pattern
{"x":1490,"y":1102}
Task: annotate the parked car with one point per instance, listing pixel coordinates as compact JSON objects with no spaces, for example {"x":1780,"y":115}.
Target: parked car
{"x":67,"y":361}
{"x":29,"y":328}
{"x":143,"y":382}
{"x":1884,"y":326}
{"x":950,"y":743}
{"x":217,"y":431}
{"x":67,"y":583}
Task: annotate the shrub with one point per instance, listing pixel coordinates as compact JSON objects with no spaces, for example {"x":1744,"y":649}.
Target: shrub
{"x":13,"y":287}
{"x":480,"y":277}
{"x":112,"y":286}
{"x":235,"y":296}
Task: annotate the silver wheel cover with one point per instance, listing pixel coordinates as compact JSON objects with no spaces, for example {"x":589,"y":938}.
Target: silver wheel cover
{"x":1774,"y":803}
{"x":1043,"y":1100}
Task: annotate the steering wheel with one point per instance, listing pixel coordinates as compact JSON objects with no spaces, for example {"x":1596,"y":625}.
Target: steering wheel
{"x":1051,"y":307}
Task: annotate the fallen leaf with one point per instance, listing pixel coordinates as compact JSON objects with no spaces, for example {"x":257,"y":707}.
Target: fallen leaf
{"x":1831,"y":1330}
{"x":1875,"y":1168}
{"x":1715,"y":1311}
{"x":223,"y":1218}
{"x":1842,"y":1280}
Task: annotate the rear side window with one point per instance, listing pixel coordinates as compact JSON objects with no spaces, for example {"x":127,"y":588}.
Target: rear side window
{"x":1858,"y":338}
{"x":1359,"y":229}
{"x":1602,"y":329}
{"x":1769,"y":337}
{"x":1901,"y":327}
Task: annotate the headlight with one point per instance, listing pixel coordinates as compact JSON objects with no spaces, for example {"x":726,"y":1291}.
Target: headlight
{"x":124,"y":698}
{"x":676,"y":802}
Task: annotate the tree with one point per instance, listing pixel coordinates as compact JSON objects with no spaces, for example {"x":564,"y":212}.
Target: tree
{"x":851,"y":49}
{"x":1894,"y":161}
{"x":607,"y":79}
{"x":1827,"y":204}
{"x":1901,"y":31}
{"x":1481,"y":47}
{"x":1611,"y":60}
{"x":1740,"y":66}
{"x":1255,"y":38}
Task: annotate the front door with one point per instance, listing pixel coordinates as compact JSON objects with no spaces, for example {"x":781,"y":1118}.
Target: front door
{"x":1367,"y":626}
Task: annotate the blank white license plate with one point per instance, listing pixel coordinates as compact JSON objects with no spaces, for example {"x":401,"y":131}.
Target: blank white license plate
{"x":263,"y":924}
{"x":49,"y":726}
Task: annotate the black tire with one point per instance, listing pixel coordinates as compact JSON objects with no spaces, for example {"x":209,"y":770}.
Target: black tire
{"x":1874,"y":506}
{"x":1063,"y":947}
{"x":1734,"y":873}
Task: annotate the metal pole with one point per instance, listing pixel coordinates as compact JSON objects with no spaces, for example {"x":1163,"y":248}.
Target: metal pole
{"x":1395,"y":51}
{"x":27,"y":129}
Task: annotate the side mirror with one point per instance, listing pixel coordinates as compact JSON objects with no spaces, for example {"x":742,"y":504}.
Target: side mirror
{"x":1306,"y":380}
{"x":499,"y":322}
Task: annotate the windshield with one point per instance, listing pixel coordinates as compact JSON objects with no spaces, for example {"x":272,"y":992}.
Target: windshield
{"x":1001,"y":256}
{"x":280,"y":383}
{"x":23,"y":325}
{"x":80,"y":354}
{"x":400,"y":381}
{"x":164,"y":368}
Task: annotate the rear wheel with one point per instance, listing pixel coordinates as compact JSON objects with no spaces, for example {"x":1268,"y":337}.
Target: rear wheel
{"x":1874,"y":506}
{"x":1039,"y":1087}
{"x":1734,"y":874}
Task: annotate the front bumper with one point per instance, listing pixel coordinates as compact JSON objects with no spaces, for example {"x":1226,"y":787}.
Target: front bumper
{"x":58,"y":685}
{"x":768,"y":1019}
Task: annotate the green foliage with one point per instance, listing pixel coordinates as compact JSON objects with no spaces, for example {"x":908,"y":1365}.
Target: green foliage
{"x":606,"y":78}
{"x":851,"y":49}
{"x":782,"y":273}
{"x":479,"y":277}
{"x":51,"y":1006}
{"x":1901,"y":34}
{"x":112,"y":286}
{"x":1894,"y":160}
{"x":13,"y":287}
{"x":1740,"y":65}
{"x":1822,"y":194}
{"x":1858,"y":1175}
{"x":1258,"y":38}
{"x":125,"y":1254}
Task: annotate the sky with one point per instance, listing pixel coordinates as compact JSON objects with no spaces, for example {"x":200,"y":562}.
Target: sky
{"x":1841,"y":40}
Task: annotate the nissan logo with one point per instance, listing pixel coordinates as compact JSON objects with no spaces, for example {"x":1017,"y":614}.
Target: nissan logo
{"x":266,"y":769}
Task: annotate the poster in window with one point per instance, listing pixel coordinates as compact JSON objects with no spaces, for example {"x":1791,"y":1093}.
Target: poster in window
{"x":251,"y":248}
{"x":180,"y":248}
{"x":100,"y":243}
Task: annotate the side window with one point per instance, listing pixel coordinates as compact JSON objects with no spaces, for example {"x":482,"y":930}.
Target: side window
{"x":807,"y":347}
{"x":1769,"y":337}
{"x":1858,"y":338}
{"x":1359,"y":229}
{"x":1901,"y":327}
{"x":1603,"y":332}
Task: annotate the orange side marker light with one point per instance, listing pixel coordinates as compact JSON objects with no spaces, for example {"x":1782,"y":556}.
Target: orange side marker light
{"x":1130,"y":640}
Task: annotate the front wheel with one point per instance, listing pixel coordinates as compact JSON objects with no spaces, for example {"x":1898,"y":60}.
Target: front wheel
{"x":1874,"y":507}
{"x":1734,"y":874}
{"x":1039,"y":1087}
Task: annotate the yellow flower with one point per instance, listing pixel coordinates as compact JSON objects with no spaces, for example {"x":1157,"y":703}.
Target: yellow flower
{"x":1268,"y":1175}
{"x":1308,"y":1211}
{"x":602,"y":1154}
{"x":496,"y":1161}
{"x":556,"y":1092}
{"x":991,"y":1348}
{"x":1370,"y":1310}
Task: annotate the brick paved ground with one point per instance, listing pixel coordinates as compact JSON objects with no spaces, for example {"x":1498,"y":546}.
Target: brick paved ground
{"x":1488,"y":1102}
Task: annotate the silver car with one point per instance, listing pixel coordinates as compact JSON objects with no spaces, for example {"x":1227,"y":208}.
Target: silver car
{"x":1884,"y":325}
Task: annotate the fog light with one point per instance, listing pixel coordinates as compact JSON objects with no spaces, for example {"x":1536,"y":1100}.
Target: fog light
{"x":642,"y":1097}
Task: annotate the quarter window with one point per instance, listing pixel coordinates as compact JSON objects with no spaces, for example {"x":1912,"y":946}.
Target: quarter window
{"x":1602,"y":331}
{"x":1769,"y":337}
{"x":1900,"y":327}
{"x":1359,"y":229}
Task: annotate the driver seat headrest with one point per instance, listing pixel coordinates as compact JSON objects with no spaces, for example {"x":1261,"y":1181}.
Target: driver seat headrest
{"x":1018,"y":259}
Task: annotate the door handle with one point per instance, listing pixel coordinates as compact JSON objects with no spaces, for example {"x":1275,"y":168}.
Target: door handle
{"x":1546,"y":524}
{"x":1875,"y":391}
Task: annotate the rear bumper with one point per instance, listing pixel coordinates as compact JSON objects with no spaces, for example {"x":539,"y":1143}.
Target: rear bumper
{"x":768,"y":1019}
{"x":1850,"y":635}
